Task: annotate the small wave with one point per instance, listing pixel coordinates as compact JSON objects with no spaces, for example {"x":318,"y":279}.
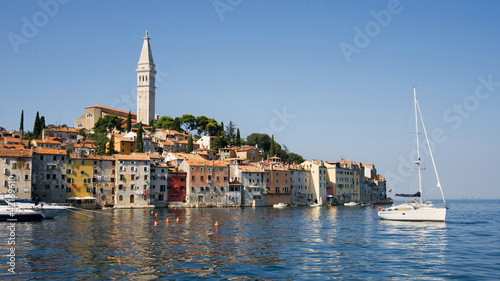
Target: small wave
{"x":466,"y":222}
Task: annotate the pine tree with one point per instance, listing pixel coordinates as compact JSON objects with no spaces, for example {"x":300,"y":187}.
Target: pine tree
{"x":21,"y":125}
{"x":271,"y":149}
{"x":129,"y":122}
{"x":238,"y":138}
{"x":37,"y":131}
{"x":111,"y":145}
{"x":42,"y":124}
{"x":190,"y":144}
{"x":138,"y":139}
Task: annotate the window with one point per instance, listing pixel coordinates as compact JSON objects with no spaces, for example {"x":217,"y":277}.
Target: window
{"x":14,"y":165}
{"x":277,"y":190}
{"x":68,"y":190}
{"x":183,"y":179}
{"x":146,"y":177}
{"x":153,"y":186}
{"x":120,"y":198}
{"x":53,"y":177}
{"x":162,"y":188}
{"x":201,"y":178}
{"x":192,"y":169}
{"x":192,"y":179}
{"x":48,"y":176}
{"x":28,"y":166}
{"x":209,"y":177}
{"x":277,"y":180}
{"x":153,"y":170}
{"x":82,"y":172}
{"x":160,"y":197}
{"x":83,"y":161}
{"x":26,"y":177}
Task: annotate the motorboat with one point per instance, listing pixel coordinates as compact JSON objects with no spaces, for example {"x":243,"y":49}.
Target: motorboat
{"x":49,"y":210}
{"x":352,"y":203}
{"x":315,"y":205}
{"x":280,"y":205}
{"x":12,"y":211}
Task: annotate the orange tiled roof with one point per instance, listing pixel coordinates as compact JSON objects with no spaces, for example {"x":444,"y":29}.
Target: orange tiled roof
{"x":49,"y":151}
{"x":216,"y":163}
{"x":15,"y":153}
{"x":11,"y":139}
{"x":250,"y":169}
{"x":135,"y":156}
{"x":49,"y":141}
{"x":245,"y":148}
{"x":134,"y":116}
{"x":62,"y":129}
{"x":13,"y":146}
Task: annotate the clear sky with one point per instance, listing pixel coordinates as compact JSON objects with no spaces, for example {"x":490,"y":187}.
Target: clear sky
{"x":329,"y":79}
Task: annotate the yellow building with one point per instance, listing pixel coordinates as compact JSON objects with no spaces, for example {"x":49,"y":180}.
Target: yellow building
{"x":124,"y":145}
{"x":79,"y":174}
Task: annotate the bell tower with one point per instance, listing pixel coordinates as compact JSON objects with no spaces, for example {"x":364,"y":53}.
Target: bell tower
{"x":146,"y":84}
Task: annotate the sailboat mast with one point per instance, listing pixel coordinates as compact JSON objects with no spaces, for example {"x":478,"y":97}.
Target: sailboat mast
{"x":418,"y":145}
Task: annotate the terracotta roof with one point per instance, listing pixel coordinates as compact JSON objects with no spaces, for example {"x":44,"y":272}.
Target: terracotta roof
{"x":245,"y":148}
{"x":13,"y":146}
{"x":100,"y":157}
{"x":49,"y":151}
{"x":217,"y":163}
{"x":134,"y":116}
{"x":62,"y":129}
{"x":154,"y":155}
{"x":49,"y":141}
{"x":135,"y":156}
{"x":15,"y":153}
{"x":250,"y":169}
{"x":13,"y":140}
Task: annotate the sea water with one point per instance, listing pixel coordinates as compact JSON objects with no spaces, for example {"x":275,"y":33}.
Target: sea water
{"x":294,"y":243}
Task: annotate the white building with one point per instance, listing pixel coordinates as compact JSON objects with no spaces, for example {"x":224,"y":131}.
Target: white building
{"x":146,"y":84}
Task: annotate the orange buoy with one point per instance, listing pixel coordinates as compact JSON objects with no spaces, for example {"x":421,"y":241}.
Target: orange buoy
{"x":156,"y":223}
{"x":175,"y":208}
{"x":177,"y":219}
{"x":235,"y":207}
{"x":129,"y":214}
{"x":216,"y":224}
{"x":156,"y":214}
{"x":380,"y":209}
{"x":167,"y":221}
{"x":151,"y":212}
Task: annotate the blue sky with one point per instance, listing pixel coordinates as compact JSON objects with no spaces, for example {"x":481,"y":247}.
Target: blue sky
{"x":275,"y":66}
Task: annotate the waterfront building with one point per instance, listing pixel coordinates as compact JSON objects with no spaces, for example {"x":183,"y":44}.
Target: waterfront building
{"x":133,"y":180}
{"x":318,"y":180}
{"x":253,"y":183}
{"x":277,"y":181}
{"x":176,"y":186}
{"x":49,"y":175}
{"x":104,"y":176}
{"x":208,"y":184}
{"x":16,"y":165}
{"x":158,"y":190}
{"x":301,"y":193}
{"x":79,"y":176}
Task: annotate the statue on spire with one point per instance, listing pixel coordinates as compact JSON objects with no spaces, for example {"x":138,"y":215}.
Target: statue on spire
{"x":147,"y":33}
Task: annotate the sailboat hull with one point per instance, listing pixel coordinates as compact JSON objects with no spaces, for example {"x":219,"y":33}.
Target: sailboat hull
{"x":413,"y":213}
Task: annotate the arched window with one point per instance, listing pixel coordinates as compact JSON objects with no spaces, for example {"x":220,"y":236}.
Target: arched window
{"x":120,"y":198}
{"x":222,"y":188}
{"x":131,"y":198}
{"x":201,"y":188}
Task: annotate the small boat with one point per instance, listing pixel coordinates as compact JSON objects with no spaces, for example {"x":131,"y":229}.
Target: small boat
{"x":352,"y":203}
{"x":280,"y":205}
{"x":12,"y":211}
{"x":315,"y":205}
{"x":417,"y":211}
{"x":49,"y":210}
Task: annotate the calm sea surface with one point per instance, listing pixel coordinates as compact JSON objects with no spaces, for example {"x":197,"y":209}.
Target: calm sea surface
{"x":296,"y":243}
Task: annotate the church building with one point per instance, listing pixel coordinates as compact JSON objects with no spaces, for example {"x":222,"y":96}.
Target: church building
{"x":145,"y":95}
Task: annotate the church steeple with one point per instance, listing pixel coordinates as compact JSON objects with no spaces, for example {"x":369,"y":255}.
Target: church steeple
{"x":146,"y":84}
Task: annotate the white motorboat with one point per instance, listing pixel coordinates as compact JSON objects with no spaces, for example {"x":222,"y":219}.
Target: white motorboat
{"x":315,"y":205}
{"x":280,"y":205}
{"x":417,"y":210}
{"x":12,"y":211}
{"x":352,"y":203}
{"x":49,"y":210}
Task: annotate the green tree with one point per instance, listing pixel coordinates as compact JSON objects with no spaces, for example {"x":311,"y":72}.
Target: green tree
{"x":37,"y":127}
{"x":100,"y":142}
{"x":201,"y":124}
{"x":238,"y":138}
{"x":107,"y":123}
{"x":128,"y":128}
{"x":190,"y":144}
{"x":82,"y":133}
{"x":295,"y":158}
{"x":21,"y":125}
{"x":111,"y":145}
{"x":262,"y":140}
{"x":42,"y":124}
{"x":138,"y":139}
{"x":188,"y":123}
{"x":165,"y":122}
{"x":272,"y":149}
{"x":212,"y":127}
{"x":230,"y":131}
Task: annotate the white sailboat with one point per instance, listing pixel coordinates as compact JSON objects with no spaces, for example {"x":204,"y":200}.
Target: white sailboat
{"x":417,"y":210}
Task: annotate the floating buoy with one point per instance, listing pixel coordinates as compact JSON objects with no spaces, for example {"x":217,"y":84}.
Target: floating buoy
{"x":380,"y":209}
{"x":156,"y":223}
{"x":167,"y":221}
{"x":235,"y":207}
{"x":175,"y":208}
{"x":151,"y":212}
{"x":156,"y":214}
{"x":177,"y":219}
{"x":129,"y":214}
{"x":216,"y":224}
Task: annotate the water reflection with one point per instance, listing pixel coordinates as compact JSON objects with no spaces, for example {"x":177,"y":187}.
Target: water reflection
{"x":260,"y":243}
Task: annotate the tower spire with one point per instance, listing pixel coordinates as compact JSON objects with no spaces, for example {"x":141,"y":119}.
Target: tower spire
{"x":146,"y":84}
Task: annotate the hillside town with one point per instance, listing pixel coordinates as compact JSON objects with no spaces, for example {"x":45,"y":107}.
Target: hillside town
{"x":139,"y":164}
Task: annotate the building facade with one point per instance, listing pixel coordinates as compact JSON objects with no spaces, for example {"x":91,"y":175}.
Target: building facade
{"x":16,"y":165}
{"x":146,"y":84}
